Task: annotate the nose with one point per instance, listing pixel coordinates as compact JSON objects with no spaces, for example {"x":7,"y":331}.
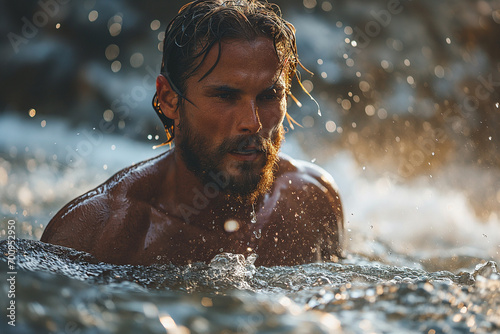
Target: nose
{"x":249,"y":121}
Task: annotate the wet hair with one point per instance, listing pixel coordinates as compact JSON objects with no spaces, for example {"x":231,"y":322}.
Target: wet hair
{"x":203,"y":24}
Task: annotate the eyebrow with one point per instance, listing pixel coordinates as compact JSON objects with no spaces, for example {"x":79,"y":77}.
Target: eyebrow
{"x":228,"y":89}
{"x":275,"y":86}
{"x":223,"y":88}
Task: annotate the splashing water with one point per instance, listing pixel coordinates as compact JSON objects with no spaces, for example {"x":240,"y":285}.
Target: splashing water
{"x":380,"y":287}
{"x":60,"y":288}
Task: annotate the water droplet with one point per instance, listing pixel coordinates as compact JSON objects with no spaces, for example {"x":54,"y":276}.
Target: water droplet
{"x":253,"y":215}
{"x":258,"y":233}
{"x":231,"y":225}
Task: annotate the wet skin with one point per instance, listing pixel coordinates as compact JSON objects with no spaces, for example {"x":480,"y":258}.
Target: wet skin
{"x":160,"y":211}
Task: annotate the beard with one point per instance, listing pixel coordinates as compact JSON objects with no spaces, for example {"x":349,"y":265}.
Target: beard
{"x":246,"y":180}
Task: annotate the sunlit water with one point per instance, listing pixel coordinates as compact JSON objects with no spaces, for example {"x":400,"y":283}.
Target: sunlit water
{"x":419,"y":260}
{"x":64,"y":291}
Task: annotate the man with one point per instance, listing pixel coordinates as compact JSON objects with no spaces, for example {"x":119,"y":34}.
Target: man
{"x":222,"y":95}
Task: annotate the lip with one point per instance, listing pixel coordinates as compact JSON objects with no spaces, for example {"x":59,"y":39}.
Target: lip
{"x":246,"y":154}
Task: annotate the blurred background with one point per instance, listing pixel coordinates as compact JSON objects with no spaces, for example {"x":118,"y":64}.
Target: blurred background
{"x":409,"y":93}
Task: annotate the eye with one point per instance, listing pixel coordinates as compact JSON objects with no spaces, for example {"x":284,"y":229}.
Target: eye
{"x":271,"y":96}
{"x":224,"y":95}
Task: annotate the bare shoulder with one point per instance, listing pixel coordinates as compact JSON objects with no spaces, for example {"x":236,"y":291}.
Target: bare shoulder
{"x":306,"y":185}
{"x":80,"y":222}
{"x":309,"y":195}
{"x":78,"y":219}
{"x":307,"y":173}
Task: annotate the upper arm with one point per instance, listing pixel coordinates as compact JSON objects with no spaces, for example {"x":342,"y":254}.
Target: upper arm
{"x":321,"y":199}
{"x":329,"y":214}
{"x":330,"y":191}
{"x":78,"y":223}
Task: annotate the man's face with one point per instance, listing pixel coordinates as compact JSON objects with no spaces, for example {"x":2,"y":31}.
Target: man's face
{"x":234,"y":124}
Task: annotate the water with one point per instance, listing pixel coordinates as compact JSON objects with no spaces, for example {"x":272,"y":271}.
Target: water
{"x":404,"y":273}
{"x":65,"y":291}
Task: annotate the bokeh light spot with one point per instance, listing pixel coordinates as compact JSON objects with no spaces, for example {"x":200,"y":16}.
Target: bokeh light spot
{"x":231,"y":226}
{"x":331,"y":126}
{"x":308,"y":85}
{"x":326,"y":6}
{"x":310,"y":4}
{"x":155,"y":25}
{"x":93,"y":15}
{"x":112,"y":51}
{"x":116,"y":66}
{"x":136,"y":60}
{"x":370,"y":110}
{"x":115,"y":29}
{"x":108,"y":115}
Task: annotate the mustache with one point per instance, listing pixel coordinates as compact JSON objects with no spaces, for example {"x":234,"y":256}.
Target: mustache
{"x":240,"y":142}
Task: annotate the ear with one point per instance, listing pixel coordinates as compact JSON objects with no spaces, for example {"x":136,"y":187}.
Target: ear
{"x":167,"y":97}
